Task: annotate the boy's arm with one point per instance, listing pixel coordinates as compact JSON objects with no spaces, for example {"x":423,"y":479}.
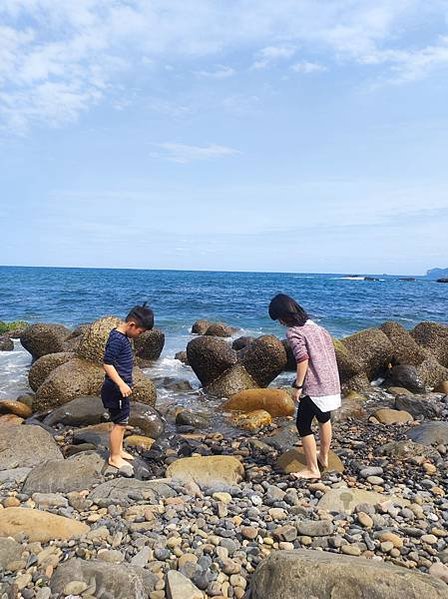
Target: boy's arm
{"x":112,"y":373}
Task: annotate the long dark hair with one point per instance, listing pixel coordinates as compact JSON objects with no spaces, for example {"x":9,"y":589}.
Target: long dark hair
{"x":286,"y":309}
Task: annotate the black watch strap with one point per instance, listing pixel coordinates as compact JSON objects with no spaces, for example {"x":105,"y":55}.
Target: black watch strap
{"x":296,"y":386}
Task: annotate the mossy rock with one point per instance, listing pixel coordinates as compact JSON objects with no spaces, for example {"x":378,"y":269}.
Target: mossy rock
{"x":10,"y":327}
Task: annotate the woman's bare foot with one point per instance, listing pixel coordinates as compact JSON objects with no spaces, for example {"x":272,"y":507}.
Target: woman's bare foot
{"x":117,"y":462}
{"x":308,"y":474}
{"x":322,"y":460}
{"x":126,"y":456}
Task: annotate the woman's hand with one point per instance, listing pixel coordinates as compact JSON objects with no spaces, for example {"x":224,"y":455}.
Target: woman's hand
{"x":296,"y":393}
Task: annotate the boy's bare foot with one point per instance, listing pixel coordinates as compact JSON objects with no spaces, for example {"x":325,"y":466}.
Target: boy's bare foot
{"x":322,"y":460}
{"x":126,"y":456}
{"x":117,"y":462}
{"x":308,"y":474}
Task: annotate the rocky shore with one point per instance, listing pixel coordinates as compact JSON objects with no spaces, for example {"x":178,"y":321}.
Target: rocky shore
{"x":212,"y":510}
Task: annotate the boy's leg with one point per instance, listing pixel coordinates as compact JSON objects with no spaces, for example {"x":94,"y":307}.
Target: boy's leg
{"x":305,"y":415}
{"x":325,"y":433}
{"x":116,"y":446}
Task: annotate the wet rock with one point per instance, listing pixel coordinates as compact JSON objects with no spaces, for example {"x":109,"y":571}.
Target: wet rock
{"x":210,"y":357}
{"x":6,"y":344}
{"x":81,"y":411}
{"x":38,"y":526}
{"x":425,"y":405}
{"x":406,"y":449}
{"x":373,"y":350}
{"x":200,"y":327}
{"x":429,"y":433}
{"x":253,"y":421}
{"x":106,"y":580}
{"x":388,"y":416}
{"x":43,"y":366}
{"x":207,"y":470}
{"x":10,"y":406}
{"x":190,"y":418}
{"x":303,"y":574}
{"x":405,"y":376}
{"x":149,"y":345}
{"x":26,"y":446}
{"x":275,"y":401}
{"x":42,"y":339}
{"x":139,"y":441}
{"x":76,"y":473}
{"x":434,"y":337}
{"x":182,"y":357}
{"x":265,"y":359}
{"x":147,"y":419}
{"x":352,"y":406}
{"x":294,"y":460}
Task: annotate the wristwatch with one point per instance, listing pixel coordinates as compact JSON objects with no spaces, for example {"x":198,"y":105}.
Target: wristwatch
{"x":296,"y":386}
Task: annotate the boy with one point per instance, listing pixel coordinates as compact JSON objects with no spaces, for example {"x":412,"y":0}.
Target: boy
{"x":117,"y":387}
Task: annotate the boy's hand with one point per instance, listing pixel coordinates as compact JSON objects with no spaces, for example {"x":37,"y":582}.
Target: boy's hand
{"x":125,"y":390}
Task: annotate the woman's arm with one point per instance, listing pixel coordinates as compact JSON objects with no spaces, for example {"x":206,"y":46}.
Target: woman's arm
{"x":302,"y":368}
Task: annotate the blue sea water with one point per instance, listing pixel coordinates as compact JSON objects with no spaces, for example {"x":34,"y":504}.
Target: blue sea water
{"x":73,"y":295}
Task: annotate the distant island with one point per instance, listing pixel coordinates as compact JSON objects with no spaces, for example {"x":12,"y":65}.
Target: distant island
{"x":440,"y":274}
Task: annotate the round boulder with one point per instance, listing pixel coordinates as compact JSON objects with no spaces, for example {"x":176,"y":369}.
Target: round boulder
{"x":219,"y":329}
{"x":200,"y":326}
{"x":70,"y":380}
{"x":42,"y":339}
{"x":210,"y":357}
{"x":43,"y":366}
{"x":388,"y":416}
{"x":10,"y":406}
{"x":348,"y":365}
{"x":6,"y":344}
{"x":275,"y":401}
{"x":81,"y":411}
{"x":143,"y":390}
{"x":431,"y":371}
{"x":93,"y":341}
{"x":372,"y":348}
{"x":242,"y":342}
{"x":433,"y":336}
{"x":149,"y":345}
{"x":265,"y":359}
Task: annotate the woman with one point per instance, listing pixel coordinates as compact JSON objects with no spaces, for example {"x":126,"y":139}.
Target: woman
{"x":317,"y":385}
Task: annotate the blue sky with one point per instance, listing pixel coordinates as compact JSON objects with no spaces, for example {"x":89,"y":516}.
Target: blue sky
{"x":295,"y":135}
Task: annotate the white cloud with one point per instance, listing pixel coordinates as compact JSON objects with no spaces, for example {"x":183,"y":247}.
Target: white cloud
{"x":221,"y":72}
{"x":60,"y":57}
{"x":271,"y":55}
{"x":307,"y":68}
{"x":184,"y":154}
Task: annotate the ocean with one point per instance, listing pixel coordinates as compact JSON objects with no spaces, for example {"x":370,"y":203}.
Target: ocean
{"x":71,"y":296}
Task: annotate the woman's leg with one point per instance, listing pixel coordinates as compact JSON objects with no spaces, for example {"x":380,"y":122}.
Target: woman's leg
{"x":305,"y":415}
{"x":325,"y":433}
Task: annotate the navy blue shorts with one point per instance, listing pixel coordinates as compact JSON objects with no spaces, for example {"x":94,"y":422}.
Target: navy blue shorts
{"x":118,"y":406}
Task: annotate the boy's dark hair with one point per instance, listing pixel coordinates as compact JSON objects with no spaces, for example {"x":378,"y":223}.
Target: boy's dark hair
{"x":284,"y":308}
{"x":142,"y":316}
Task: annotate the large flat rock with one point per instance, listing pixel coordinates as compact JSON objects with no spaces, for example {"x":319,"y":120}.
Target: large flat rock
{"x":306,"y":574}
{"x":104,"y":579}
{"x":38,"y":526}
{"x":345,"y":500}
{"x":126,"y":491}
{"x":207,"y":470}
{"x":430,"y":433}
{"x":26,"y":446}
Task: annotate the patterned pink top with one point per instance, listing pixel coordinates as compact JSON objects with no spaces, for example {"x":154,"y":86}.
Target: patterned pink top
{"x":312,"y":342}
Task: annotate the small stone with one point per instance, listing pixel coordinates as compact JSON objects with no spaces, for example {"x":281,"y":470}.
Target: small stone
{"x":75,"y":587}
{"x":386,"y":546}
{"x":11,"y":502}
{"x":429,"y":539}
{"x":429,"y":468}
{"x":249,"y":532}
{"x":286,"y":533}
{"x":351,"y":550}
{"x":278,"y":513}
{"x":370,"y":471}
{"x":315,"y":528}
{"x":365,"y":520}
{"x":393,"y":538}
{"x":224,"y":497}
{"x":375,"y":480}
